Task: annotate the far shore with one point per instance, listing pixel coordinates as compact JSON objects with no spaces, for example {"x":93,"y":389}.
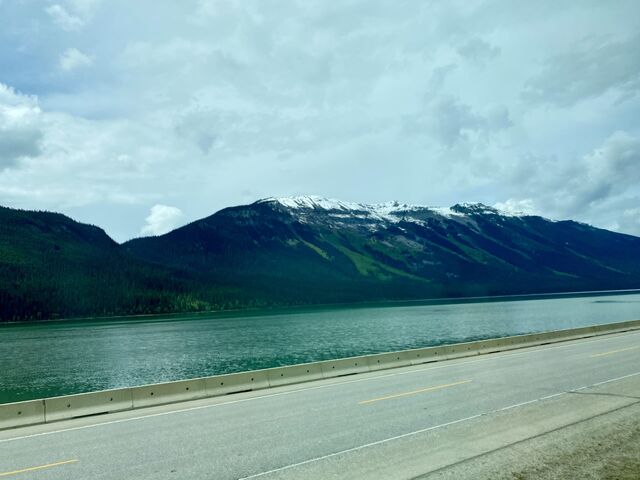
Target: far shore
{"x":296,"y":309}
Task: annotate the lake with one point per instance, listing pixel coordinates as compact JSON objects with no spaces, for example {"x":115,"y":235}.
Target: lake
{"x":58,"y":358}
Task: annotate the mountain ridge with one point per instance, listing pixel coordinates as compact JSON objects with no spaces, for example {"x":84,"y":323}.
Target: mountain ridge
{"x":284,"y":251}
{"x":325,"y":203}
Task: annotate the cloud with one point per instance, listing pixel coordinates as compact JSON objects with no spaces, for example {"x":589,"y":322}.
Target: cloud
{"x":85,"y":8}
{"x":55,"y":161}
{"x":610,"y":169}
{"x":161,"y":219}
{"x":592,"y":67}
{"x":601,"y":187}
{"x":525,"y":206}
{"x":73,"y":59}
{"x":20,"y":126}
{"x":629,"y":222}
{"x":478,"y":51}
{"x":450,"y":121}
{"x":73,"y":15}
{"x":64,"y":19}
{"x":439,"y":76}
{"x":433,"y":103}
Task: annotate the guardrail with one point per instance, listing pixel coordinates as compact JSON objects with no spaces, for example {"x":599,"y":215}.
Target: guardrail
{"x":108,"y":401}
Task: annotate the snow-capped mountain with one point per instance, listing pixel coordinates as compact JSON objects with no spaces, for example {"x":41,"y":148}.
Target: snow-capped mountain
{"x":389,"y":211}
{"x":338,"y":213}
{"x":310,"y":248}
{"x":303,"y":250}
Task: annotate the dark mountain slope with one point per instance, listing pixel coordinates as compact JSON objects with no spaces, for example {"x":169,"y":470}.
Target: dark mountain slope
{"x":267,"y":252}
{"x":52,"y":266}
{"x":324,"y":250}
{"x":300,"y":251}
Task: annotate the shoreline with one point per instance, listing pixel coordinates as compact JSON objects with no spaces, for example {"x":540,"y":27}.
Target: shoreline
{"x":297,"y":309}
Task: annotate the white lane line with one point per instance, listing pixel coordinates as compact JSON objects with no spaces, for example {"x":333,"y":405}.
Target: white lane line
{"x":423,"y":430}
{"x":372,"y":444}
{"x":605,"y":382}
{"x":516,"y":405}
{"x":455,"y":363}
{"x":615,"y":379}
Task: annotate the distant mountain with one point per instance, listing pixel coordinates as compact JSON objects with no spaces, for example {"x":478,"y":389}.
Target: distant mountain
{"x":309,"y":250}
{"x":52,"y":266}
{"x":327,"y":250}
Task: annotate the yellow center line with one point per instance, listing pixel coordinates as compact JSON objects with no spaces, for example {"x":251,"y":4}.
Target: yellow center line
{"x":40,"y":467}
{"x":613,"y":351}
{"x":405,"y":394}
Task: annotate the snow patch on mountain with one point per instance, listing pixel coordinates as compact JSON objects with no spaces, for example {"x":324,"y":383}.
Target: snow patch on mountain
{"x":389,"y":211}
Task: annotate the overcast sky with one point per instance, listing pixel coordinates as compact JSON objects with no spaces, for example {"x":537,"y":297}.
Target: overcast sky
{"x":139,"y":116}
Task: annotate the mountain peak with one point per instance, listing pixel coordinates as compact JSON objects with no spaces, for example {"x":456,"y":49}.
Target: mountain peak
{"x":316,"y":202}
{"x":311,"y":202}
{"x":477,"y":207}
{"x":392,"y":210}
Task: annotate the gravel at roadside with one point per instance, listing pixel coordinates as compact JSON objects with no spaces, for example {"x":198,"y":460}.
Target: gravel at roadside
{"x":606,"y":447}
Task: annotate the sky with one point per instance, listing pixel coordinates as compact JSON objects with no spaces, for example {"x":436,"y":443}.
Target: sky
{"x":142,"y":116}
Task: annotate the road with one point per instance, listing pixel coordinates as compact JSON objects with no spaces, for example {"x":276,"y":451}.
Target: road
{"x":418,"y":421}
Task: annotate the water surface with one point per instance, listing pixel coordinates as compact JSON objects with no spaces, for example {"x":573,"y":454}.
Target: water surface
{"x":58,"y":358}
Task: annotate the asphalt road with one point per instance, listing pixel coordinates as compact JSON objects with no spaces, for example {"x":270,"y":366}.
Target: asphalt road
{"x":404,"y":423}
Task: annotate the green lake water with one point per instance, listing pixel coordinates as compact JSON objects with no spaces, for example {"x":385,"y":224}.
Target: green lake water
{"x":58,"y":358}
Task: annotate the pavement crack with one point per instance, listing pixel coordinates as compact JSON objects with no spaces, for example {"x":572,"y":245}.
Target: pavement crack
{"x":604,"y":394}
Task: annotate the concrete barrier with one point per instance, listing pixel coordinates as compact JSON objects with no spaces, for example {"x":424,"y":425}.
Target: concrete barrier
{"x":344,"y":366}
{"x":489,"y":346}
{"x":545,"y":337}
{"x":382,"y":361}
{"x":460,"y":350}
{"x":71,"y":406}
{"x":170,"y":392}
{"x":630,"y":324}
{"x":519,"y":341}
{"x":236,"y":382}
{"x":294,"y":374}
{"x":83,"y":404}
{"x":21,"y":414}
{"x":426,"y":355}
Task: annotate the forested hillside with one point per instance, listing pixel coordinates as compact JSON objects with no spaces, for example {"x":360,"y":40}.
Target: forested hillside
{"x":301,"y":251}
